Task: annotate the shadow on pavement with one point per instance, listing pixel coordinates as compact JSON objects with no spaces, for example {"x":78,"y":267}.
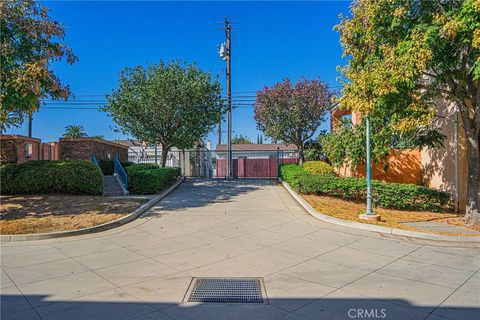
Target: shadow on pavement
{"x":194,"y":193}
{"x":121,"y":305}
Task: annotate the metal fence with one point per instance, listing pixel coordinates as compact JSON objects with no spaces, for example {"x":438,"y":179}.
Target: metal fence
{"x":213,"y":164}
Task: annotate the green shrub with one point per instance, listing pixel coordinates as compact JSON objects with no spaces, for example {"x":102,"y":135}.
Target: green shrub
{"x":292,"y":173}
{"x":46,"y":176}
{"x":149,"y":179}
{"x":7,"y":173}
{"x":107,"y":166}
{"x":318,"y":167}
{"x":385,"y":195}
{"x":142,"y":166}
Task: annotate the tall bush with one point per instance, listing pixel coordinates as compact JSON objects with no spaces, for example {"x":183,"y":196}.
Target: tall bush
{"x":318,"y":167}
{"x":149,"y":178}
{"x":46,"y":176}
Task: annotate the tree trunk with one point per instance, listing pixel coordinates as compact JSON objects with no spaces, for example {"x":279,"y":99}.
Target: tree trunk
{"x":164,"y":155}
{"x":301,"y":154}
{"x":472,"y":212}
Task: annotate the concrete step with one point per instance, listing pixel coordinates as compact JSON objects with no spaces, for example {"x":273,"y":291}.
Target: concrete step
{"x":111,"y":187}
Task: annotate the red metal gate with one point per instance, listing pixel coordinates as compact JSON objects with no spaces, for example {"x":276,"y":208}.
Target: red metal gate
{"x":254,"y":165}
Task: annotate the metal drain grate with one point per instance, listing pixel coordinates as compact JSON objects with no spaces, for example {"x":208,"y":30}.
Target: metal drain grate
{"x":227,"y":290}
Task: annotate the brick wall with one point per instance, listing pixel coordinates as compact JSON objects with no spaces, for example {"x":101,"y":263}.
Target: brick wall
{"x":19,"y":149}
{"x":83,"y":148}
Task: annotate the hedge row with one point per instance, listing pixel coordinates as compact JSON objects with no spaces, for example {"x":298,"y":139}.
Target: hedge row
{"x":318,"y":167}
{"x":107,"y":166}
{"x":385,"y":195}
{"x":46,"y":176}
{"x":150,"y":178}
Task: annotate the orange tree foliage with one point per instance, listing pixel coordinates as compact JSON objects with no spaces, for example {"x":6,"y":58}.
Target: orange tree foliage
{"x":405,"y":56}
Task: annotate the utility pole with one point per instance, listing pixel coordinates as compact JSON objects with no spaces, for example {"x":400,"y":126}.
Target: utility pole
{"x":220,"y":132}
{"x":226,"y":54}
{"x":30,"y":124}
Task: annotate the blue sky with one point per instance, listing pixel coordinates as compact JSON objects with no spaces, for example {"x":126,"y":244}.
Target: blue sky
{"x":270,"y":41}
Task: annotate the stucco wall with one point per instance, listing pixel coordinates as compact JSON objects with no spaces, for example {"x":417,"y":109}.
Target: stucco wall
{"x":401,"y":166}
{"x":438,"y":164}
{"x":433,"y":167}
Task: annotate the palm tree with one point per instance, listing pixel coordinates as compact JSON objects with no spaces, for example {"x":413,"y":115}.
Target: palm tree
{"x":74,"y":131}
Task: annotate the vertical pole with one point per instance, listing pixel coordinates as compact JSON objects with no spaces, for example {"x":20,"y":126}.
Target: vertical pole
{"x":229,"y":98}
{"x":220,"y":132}
{"x":30,"y":124}
{"x":369,"y":182}
{"x":156,"y":153}
{"x":455,"y":146}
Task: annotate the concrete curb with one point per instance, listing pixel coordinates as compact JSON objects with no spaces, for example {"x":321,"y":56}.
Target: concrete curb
{"x":371,"y":227}
{"x":101,"y":227}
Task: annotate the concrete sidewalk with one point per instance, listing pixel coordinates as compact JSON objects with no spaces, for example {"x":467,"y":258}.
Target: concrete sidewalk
{"x":206,"y":228}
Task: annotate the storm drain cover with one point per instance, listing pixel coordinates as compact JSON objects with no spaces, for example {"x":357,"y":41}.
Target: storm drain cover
{"x":226,"y":290}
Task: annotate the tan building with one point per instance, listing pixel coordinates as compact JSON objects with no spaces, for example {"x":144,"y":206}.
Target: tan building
{"x":432,"y":167}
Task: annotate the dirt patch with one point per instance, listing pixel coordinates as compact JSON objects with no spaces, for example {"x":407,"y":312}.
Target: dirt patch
{"x":21,"y":214}
{"x":349,"y":210}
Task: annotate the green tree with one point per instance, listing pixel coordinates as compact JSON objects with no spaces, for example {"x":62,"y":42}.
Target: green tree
{"x":171,"y":104}
{"x":241,"y":139}
{"x":406,"y":56}
{"x":292,"y":112}
{"x":74,"y":131}
{"x":30,"y":41}
{"x":99,"y":136}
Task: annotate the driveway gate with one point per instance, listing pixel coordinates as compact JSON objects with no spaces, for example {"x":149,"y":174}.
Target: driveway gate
{"x":213,"y":164}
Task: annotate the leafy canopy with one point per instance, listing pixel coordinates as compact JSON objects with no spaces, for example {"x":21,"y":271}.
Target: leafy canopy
{"x":74,"y":131}
{"x":291,"y":112}
{"x":173,"y":104}
{"x":29,"y":42}
{"x":405,"y":53}
{"x":241,"y":139}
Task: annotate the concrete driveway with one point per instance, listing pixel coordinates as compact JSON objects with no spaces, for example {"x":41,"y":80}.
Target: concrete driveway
{"x":310,"y":269}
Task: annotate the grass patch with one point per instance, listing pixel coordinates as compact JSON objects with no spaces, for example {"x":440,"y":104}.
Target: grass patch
{"x":22,"y":214}
{"x":349,"y":210}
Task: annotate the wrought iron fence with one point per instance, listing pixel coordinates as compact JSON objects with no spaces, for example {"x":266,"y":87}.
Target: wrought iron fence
{"x":213,"y":164}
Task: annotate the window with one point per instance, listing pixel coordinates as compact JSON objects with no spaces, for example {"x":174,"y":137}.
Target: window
{"x":28,"y":150}
{"x":347,"y":120}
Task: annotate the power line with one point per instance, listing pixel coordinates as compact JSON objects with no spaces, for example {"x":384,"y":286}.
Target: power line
{"x":68,"y":108}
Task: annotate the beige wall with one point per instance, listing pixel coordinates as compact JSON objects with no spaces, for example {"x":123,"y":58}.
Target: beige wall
{"x":438,"y":164}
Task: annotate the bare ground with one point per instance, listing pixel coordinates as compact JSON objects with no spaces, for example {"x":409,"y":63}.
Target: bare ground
{"x":21,"y":214}
{"x":349,"y":210}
